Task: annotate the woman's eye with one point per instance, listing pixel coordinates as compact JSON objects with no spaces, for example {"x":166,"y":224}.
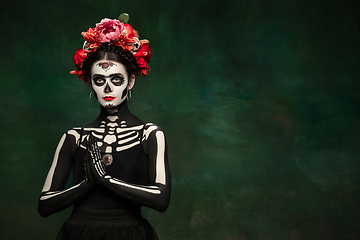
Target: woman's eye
{"x":99,"y":81}
{"x":117,"y":80}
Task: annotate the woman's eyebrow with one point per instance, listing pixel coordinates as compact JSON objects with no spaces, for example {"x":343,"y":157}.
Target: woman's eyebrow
{"x":110,"y":76}
{"x":99,"y":75}
{"x":116,"y":74}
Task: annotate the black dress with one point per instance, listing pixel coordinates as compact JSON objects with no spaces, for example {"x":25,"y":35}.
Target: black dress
{"x":101,"y":214}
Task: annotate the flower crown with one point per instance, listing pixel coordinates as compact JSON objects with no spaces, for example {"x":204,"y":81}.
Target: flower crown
{"x":117,"y":33}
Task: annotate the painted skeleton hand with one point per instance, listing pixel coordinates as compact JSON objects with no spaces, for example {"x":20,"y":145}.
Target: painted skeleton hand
{"x":94,"y":167}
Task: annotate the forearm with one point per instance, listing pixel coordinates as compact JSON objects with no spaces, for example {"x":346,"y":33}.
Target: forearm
{"x":156,"y":197}
{"x":54,"y":201}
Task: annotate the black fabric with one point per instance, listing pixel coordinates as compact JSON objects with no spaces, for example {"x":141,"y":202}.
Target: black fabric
{"x":81,"y":134}
{"x":106,"y":222}
{"x":132,"y":180}
{"x":101,"y":213}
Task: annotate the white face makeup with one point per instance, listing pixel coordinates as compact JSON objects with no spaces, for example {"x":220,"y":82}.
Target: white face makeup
{"x":109,"y":81}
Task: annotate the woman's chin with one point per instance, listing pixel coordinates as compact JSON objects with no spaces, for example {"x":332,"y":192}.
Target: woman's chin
{"x":109,"y":105}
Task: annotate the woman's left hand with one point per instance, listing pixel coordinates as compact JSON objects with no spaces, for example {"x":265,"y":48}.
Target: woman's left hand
{"x":95,"y":164}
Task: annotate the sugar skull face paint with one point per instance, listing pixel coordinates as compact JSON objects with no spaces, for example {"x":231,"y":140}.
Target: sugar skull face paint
{"x":106,"y":65}
{"x":109,"y":81}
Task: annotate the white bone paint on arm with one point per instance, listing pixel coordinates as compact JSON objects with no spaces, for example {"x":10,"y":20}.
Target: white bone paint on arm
{"x":149,"y":189}
{"x":53,"y":197}
{"x":48,"y":195}
{"x":160,"y":161}
{"x":50,"y":175}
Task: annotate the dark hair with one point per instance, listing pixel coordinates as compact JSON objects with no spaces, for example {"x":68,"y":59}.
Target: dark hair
{"x":110,"y":52}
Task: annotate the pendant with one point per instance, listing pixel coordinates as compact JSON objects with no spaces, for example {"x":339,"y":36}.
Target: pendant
{"x":107,"y":159}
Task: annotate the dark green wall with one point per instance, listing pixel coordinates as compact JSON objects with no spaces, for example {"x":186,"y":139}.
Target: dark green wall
{"x":259,"y":101}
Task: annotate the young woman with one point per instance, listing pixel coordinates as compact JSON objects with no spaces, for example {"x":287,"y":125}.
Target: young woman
{"x":119,"y":162}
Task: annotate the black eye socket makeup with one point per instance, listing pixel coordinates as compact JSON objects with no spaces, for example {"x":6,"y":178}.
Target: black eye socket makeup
{"x":99,"y":80}
{"x":117,"y":79}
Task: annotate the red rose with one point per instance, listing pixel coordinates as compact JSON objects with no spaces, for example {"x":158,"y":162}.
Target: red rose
{"x":79,"y":57}
{"x":141,"y":62}
{"x":144,"y":51}
{"x":129,"y":30}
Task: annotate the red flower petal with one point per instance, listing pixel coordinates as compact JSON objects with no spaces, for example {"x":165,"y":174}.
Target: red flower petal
{"x":79,"y":57}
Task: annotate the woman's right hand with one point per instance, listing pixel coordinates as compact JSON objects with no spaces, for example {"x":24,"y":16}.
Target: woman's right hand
{"x":95,"y":168}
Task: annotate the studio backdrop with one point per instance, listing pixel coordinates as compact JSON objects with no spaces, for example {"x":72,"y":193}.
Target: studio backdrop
{"x":259,"y":101}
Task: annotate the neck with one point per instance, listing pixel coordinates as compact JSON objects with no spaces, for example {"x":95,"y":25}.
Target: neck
{"x":122,"y":112}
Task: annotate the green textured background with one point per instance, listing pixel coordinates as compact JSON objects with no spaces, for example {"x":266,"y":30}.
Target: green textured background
{"x":259,"y":101}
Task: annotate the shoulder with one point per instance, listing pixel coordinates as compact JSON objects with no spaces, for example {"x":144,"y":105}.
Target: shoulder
{"x":73,"y":135}
{"x":152,"y":138}
{"x":75,"y":132}
{"x":69,"y":141}
{"x":150,"y":129}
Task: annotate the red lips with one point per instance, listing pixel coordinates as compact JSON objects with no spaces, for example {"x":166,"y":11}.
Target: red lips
{"x":108,"y":98}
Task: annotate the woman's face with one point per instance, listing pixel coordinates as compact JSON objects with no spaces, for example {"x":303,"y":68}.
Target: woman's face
{"x":110,"y":82}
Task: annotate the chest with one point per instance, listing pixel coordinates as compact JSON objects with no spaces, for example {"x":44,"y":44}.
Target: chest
{"x":122,"y":145}
{"x":113,"y":137}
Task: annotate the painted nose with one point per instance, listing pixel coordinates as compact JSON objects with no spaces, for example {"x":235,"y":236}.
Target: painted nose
{"x":107,"y":88}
